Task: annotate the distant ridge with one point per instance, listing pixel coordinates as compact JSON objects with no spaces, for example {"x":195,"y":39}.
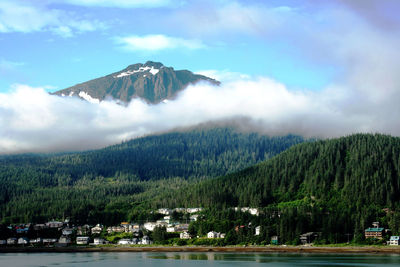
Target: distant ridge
{"x":151,"y":81}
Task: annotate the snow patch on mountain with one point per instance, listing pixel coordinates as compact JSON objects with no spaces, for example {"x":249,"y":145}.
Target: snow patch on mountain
{"x":151,"y":69}
{"x":88,"y":98}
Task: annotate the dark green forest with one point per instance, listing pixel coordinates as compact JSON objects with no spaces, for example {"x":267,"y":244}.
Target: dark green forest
{"x":335,"y":187}
{"x":112,"y":185}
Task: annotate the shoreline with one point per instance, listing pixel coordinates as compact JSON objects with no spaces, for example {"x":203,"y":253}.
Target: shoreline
{"x":250,"y":249}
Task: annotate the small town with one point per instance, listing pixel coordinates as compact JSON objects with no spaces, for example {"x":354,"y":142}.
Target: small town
{"x":165,"y":231}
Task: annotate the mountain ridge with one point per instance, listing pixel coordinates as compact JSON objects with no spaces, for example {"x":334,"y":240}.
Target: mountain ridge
{"x":151,"y":81}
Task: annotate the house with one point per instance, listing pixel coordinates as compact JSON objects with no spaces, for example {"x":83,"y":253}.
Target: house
{"x":99,"y":241}
{"x":97,"y":229}
{"x":258,"y":229}
{"x":162,"y":223}
{"x":54,"y":224}
{"x":3,"y":242}
{"x":184,"y":235}
{"x":64,"y":241}
{"x":374,"y":232}
{"x":134,"y":228}
{"x":82,"y":240}
{"x":145,"y":240}
{"x":83,"y":230}
{"x":116,"y":229}
{"x":22,"y":229}
{"x":171,"y":229}
{"x":49,"y":241}
{"x":68,"y":231}
{"x":38,"y":240}
{"x":274,"y":240}
{"x":164,"y":211}
{"x":124,"y":242}
{"x":149,"y":226}
{"x":182,"y":227}
{"x":23,"y":241}
{"x":213,"y":234}
{"x":394,"y":240}
{"x":181,"y":210}
{"x":308,"y":238}
{"x":193,"y":210}
{"x":12,"y":241}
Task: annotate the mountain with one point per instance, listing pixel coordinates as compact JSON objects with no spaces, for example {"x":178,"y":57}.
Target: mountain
{"x":151,"y":81}
{"x":335,"y":187}
{"x":105,"y":185}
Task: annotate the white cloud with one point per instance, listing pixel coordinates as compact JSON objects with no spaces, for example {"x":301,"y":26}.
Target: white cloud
{"x":19,"y":16}
{"x":156,"y":42}
{"x":31,"y":120}
{"x":120,"y":3}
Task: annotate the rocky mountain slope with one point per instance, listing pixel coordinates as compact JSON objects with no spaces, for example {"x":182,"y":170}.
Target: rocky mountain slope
{"x":151,"y":81}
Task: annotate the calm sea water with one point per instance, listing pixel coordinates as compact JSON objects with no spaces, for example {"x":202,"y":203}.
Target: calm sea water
{"x":193,"y":259}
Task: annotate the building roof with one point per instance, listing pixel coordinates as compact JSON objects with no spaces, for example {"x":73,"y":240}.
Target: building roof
{"x":394,"y":237}
{"x":373,"y":229}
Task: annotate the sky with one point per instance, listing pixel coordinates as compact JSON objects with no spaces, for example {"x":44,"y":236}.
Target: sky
{"x":315,"y":68}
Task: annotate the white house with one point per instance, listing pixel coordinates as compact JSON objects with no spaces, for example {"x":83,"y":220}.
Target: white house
{"x":145,"y":240}
{"x":99,"y":241}
{"x":193,"y":210}
{"x":394,"y":240}
{"x":82,"y":240}
{"x":124,"y":242}
{"x":164,"y":211}
{"x":12,"y":241}
{"x":68,"y":231}
{"x":184,"y":235}
{"x":23,"y":241}
{"x":97,"y":229}
{"x":258,"y":229}
{"x":171,"y":229}
{"x":213,"y":234}
{"x":149,"y":226}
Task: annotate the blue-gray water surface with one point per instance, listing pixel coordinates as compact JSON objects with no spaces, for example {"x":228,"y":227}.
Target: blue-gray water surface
{"x":103,"y":259}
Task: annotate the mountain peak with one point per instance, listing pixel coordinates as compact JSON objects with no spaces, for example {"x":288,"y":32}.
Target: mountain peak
{"x":151,"y":81}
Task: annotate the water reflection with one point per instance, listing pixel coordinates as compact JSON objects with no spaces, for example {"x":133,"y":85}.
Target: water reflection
{"x":191,"y":259}
{"x":288,"y":259}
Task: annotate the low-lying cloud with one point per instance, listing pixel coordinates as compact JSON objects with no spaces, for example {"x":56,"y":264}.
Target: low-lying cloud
{"x":31,"y":120}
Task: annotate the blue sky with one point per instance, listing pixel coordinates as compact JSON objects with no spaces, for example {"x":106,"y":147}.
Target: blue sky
{"x":313,"y":68}
{"x":60,"y":43}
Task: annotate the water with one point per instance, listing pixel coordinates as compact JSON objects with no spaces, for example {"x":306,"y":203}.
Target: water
{"x":114,"y":259}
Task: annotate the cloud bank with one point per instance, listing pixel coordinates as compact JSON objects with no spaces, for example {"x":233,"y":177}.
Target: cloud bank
{"x":21,"y":16}
{"x":31,"y":120}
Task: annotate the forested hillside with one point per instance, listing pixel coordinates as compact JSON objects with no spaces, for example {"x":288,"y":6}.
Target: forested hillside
{"x":336,"y":187}
{"x":105,"y":185}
